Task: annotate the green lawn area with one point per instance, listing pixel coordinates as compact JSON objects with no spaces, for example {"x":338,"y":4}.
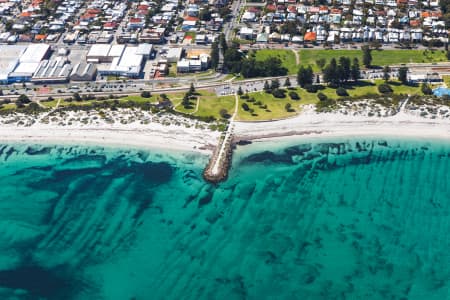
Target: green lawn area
{"x":379,"y":57}
{"x":50,"y":104}
{"x":7,"y":106}
{"x":275,"y":107}
{"x":286,"y":56}
{"x":211,"y":106}
{"x":446,"y":79}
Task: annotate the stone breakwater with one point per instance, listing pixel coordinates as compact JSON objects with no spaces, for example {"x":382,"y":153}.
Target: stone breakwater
{"x":220,"y":162}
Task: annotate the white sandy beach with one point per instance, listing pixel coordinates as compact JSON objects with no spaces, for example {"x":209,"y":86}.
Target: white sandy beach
{"x":311,"y":124}
{"x":171,"y":132}
{"x":143,"y":130}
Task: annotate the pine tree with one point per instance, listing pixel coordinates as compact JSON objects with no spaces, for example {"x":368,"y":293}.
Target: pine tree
{"x":287,"y":82}
{"x":386,"y":73}
{"x":367,"y":56}
{"x":355,"y":71}
{"x":403,"y":75}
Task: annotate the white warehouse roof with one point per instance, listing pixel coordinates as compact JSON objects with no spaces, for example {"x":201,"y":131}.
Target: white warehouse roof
{"x":34,"y":53}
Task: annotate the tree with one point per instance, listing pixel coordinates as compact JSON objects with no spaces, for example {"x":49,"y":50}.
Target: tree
{"x":322,"y":97}
{"x":367,"y":56}
{"x":384,"y":88}
{"x":186,"y":103}
{"x":76,"y":97}
{"x":239,"y":91}
{"x":288,"y":107}
{"x":1,"y":92}
{"x":223,"y":43}
{"x":403,"y":75}
{"x":205,"y":14}
{"x":386,"y":73}
{"x":245,"y":107}
{"x":355,"y":71}
{"x":279,"y":93}
{"x":305,"y":76}
{"x":330,"y":73}
{"x":311,"y":88}
{"x":192,"y":89}
{"x":294,"y":96}
{"x":146,"y":94}
{"x":426,"y":89}
{"x":344,"y":69}
{"x":266,"y":86}
{"x":215,"y":55}
{"x":274,"y":84}
{"x":340,"y":91}
{"x":321,"y":62}
{"x":287,"y":82}
{"x":224,"y":113}
{"x":23,"y":99}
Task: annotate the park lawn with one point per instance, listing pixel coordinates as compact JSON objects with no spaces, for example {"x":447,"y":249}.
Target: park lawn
{"x":287,"y":58}
{"x":186,"y":110}
{"x":379,"y":57}
{"x":139,"y":99}
{"x":211,"y":106}
{"x":275,"y":108}
{"x":8,"y":106}
{"x":446,"y":79}
{"x":50,"y":104}
{"x":405,"y":89}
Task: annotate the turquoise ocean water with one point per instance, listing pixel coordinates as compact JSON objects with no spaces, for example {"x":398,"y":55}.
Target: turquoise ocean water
{"x":364,"y":218}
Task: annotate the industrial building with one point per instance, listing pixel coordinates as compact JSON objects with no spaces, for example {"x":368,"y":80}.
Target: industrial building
{"x":101,"y":53}
{"x":128,"y":64}
{"x":9,"y":59}
{"x":53,"y":71}
{"x":19,"y":63}
{"x":83,"y":72}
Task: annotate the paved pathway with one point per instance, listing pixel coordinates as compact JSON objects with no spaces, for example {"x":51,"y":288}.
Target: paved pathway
{"x":297,"y":57}
{"x":228,"y":135}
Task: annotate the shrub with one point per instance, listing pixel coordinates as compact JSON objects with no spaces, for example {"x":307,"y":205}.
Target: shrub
{"x":385,"y":88}
{"x":322,"y":97}
{"x":426,"y":90}
{"x":341,"y":92}
{"x":146,"y":94}
{"x":279,"y":93}
{"x":294,"y":96}
{"x":288,"y":107}
{"x":224,"y":113}
{"x":23,"y":99}
{"x":311,"y":88}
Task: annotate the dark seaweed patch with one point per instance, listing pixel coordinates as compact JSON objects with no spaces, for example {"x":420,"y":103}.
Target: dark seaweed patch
{"x":38,"y":151}
{"x":38,"y":281}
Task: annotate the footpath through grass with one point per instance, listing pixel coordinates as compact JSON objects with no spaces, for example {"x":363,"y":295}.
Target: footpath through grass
{"x":379,"y":57}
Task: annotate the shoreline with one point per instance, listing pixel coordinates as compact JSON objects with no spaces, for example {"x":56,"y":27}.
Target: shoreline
{"x":178,"y":139}
{"x":305,"y":126}
{"x":334,"y":125}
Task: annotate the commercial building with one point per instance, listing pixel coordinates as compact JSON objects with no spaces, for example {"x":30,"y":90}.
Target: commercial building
{"x":128,"y":64}
{"x":53,"y":71}
{"x":83,"y":72}
{"x":174,"y":54}
{"x":101,"y":53}
{"x":19,"y":63}
{"x":9,"y":59}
